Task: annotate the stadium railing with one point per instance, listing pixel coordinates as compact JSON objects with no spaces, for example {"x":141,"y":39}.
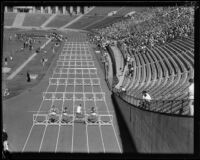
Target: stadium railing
{"x":162,"y":106}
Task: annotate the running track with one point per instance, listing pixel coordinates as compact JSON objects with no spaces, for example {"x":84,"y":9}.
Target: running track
{"x":76,"y":78}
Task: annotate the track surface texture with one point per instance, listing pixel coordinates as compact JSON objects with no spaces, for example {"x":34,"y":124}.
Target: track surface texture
{"x":74,"y":78}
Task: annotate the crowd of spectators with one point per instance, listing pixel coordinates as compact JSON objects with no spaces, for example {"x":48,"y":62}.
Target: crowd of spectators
{"x":150,"y":27}
{"x":146,"y":29}
{"x":155,"y":26}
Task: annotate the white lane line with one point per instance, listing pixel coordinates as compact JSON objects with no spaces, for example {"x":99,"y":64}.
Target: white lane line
{"x":36,"y":117}
{"x":88,"y":149}
{"x":96,"y":107}
{"x":27,"y":138}
{"x":59,"y":124}
{"x":112,"y":123}
{"x":47,"y":124}
{"x":73,"y":123}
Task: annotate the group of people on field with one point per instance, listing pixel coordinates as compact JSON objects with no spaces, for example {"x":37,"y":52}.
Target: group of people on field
{"x":53,"y":114}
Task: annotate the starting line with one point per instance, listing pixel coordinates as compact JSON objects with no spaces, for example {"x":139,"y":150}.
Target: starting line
{"x":45,"y":119}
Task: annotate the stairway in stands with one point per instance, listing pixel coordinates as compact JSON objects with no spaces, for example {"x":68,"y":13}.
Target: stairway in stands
{"x":19,"y":19}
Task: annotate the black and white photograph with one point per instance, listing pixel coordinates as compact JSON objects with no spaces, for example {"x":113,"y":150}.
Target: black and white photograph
{"x":92,"y":79}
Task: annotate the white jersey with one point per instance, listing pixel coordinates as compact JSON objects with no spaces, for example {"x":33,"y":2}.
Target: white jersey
{"x":147,"y":97}
{"x":78,"y":110}
{"x":191,"y":91}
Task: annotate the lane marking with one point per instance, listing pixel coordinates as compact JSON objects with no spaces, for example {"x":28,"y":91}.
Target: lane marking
{"x":99,"y":124}
{"x":36,"y":117}
{"x":52,"y":103}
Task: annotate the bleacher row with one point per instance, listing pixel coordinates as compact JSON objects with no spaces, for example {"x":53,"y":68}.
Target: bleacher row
{"x":98,"y":17}
{"x":164,"y":72}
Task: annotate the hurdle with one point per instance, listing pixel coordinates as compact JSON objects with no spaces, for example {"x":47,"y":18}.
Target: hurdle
{"x":103,"y":121}
{"x":40,"y":119}
{"x":44,"y":119}
{"x":69,"y":122}
{"x":106,"y":119}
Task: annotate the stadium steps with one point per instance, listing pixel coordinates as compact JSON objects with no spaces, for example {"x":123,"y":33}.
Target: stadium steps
{"x":148,"y":75}
{"x":166,"y":64}
{"x":181,"y":55}
{"x":19,"y":19}
{"x":35,"y":19}
{"x":102,"y":11}
{"x":9,"y":18}
{"x":153,"y":73}
{"x":160,"y":60}
{"x":143,"y":74}
{"x":163,"y":90}
{"x":76,"y":19}
{"x":48,"y":20}
{"x":173,"y":64}
{"x":158,"y":70}
{"x":136,"y":82}
{"x":179,"y":86}
{"x":175,"y":57}
{"x":103,"y":22}
{"x":184,"y":45}
{"x":189,"y":56}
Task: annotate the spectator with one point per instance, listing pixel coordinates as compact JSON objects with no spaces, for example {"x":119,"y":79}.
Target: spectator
{"x":146,"y":100}
{"x":5,"y":139}
{"x":6,"y":92}
{"x":28,"y":77}
{"x":122,"y":90}
{"x":6,"y":61}
{"x":79,"y":109}
{"x":11,"y":58}
{"x":191,"y":97}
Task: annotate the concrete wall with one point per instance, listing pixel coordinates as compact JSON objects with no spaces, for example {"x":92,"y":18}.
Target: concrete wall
{"x":155,"y":132}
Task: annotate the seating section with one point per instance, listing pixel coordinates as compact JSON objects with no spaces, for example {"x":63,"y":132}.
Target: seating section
{"x":104,"y":22}
{"x":9,"y":19}
{"x":164,"y":72}
{"x":85,"y":21}
{"x":35,"y":19}
{"x":124,"y":10}
{"x":60,"y":20}
{"x":102,"y":10}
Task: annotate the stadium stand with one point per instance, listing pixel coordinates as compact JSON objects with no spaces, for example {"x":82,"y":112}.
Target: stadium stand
{"x":60,"y":20}
{"x":161,"y":46}
{"x":35,"y":19}
{"x":103,"y":11}
{"x":103,"y":22}
{"x":9,"y":18}
{"x":84,"y":21}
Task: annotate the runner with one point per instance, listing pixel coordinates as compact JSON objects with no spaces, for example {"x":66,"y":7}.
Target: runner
{"x":93,"y":115}
{"x":53,"y":114}
{"x":65,"y":116}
